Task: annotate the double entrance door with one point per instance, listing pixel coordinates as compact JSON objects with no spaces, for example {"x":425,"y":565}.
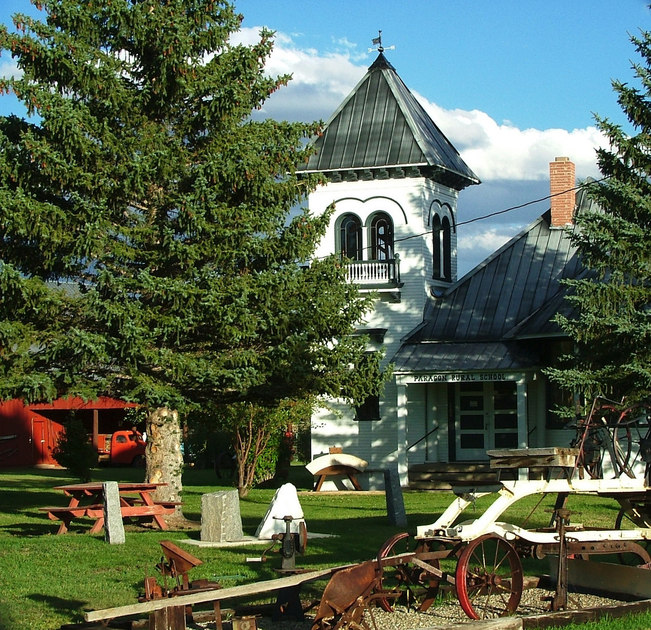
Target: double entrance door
{"x":486,"y":417}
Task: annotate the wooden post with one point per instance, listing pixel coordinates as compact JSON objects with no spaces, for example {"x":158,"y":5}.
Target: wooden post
{"x":95,"y":427}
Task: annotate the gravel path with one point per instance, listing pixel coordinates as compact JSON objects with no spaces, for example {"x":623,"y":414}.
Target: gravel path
{"x":445,"y":612}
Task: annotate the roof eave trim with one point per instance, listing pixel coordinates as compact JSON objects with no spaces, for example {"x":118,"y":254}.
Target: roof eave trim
{"x":471,"y":181}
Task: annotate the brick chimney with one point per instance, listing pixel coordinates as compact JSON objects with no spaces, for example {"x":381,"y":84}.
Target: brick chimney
{"x":562,"y":180}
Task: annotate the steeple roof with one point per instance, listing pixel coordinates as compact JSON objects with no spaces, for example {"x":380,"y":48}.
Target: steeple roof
{"x":379,"y":126}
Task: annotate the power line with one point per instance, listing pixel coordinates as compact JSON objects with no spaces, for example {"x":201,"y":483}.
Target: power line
{"x":498,"y":212}
{"x":510,"y":209}
{"x":529,"y":203}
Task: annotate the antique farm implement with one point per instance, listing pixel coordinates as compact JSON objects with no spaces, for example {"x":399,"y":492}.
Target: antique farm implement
{"x":486,"y":553}
{"x":479,"y":560}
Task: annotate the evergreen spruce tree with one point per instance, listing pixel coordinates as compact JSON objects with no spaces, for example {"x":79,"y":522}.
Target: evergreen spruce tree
{"x":611,"y":325}
{"x":149,"y":247}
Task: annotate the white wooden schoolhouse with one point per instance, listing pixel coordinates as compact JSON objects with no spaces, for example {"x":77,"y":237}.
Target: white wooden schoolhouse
{"x":467,"y":353}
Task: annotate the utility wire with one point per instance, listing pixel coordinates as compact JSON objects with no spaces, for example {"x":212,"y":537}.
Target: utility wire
{"x":510,"y":209}
{"x":498,"y":212}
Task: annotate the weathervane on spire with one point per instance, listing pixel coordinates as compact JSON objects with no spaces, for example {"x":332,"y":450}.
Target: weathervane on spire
{"x":377,"y":41}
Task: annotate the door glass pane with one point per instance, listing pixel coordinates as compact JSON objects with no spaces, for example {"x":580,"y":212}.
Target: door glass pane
{"x":472,"y":403}
{"x":504,"y":395}
{"x":472,"y":440}
{"x":506,"y":440}
{"x":471,"y":422}
{"x":506,"y":421}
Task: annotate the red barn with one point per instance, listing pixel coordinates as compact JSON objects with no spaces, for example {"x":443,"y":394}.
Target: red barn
{"x":29,"y":433}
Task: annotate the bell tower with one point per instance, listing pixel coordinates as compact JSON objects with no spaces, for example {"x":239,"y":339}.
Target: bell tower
{"x":394,"y":179}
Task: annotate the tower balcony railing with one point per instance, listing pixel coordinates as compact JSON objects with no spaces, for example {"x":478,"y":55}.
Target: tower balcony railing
{"x":375,"y":273}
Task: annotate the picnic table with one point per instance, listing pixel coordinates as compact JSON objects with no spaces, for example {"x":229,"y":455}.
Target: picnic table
{"x":87,"y":500}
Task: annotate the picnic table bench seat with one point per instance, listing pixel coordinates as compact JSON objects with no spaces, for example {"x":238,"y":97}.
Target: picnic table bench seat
{"x":67,"y":514}
{"x":93,"y":511}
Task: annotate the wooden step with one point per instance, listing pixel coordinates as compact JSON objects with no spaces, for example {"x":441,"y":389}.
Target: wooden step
{"x":462,"y":476}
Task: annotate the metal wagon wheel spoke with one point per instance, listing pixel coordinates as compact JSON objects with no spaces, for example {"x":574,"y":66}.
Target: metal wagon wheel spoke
{"x":589,"y":441}
{"x":488,"y":578}
{"x":589,"y":458}
{"x":636,"y":422}
{"x":418,"y":588}
{"x":621,"y":439}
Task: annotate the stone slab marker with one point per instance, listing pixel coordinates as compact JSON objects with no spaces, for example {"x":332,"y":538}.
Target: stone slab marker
{"x":395,"y":502}
{"x":220,"y":517}
{"x":113,"y":524}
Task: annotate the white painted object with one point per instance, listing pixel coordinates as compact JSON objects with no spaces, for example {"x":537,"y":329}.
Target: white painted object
{"x":284,"y":503}
{"x":336,"y":459}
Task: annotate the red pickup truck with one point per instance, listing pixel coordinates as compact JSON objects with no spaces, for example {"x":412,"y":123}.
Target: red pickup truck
{"x":125,"y":448}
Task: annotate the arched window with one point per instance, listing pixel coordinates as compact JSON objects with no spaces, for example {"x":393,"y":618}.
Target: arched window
{"x":447,"y":249}
{"x":350,"y":237}
{"x":442,"y":241}
{"x":438,"y":247}
{"x":381,"y":237}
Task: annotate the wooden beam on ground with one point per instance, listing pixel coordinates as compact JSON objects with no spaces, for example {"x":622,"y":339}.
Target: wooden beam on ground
{"x":242,"y":590}
{"x":605,"y":577}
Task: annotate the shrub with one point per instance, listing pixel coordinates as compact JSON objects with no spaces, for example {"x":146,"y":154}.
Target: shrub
{"x":74,"y":451}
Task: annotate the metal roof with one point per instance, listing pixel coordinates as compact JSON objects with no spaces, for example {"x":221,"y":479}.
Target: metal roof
{"x":381,"y":125}
{"x":484,"y":321}
{"x":511,"y":285}
{"x":463,"y":357}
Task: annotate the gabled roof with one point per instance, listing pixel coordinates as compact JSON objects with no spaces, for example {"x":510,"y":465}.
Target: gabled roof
{"x":509,"y":298}
{"x":381,"y":125}
{"x":509,"y":286}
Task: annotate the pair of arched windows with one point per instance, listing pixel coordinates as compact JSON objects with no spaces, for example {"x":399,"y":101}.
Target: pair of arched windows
{"x":379,"y":239}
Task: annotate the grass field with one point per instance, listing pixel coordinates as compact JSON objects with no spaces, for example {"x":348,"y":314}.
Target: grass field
{"x":48,"y":580}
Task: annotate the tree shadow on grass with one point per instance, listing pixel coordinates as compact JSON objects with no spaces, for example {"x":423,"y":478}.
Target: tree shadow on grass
{"x":70,"y":608}
{"x":25,"y":530}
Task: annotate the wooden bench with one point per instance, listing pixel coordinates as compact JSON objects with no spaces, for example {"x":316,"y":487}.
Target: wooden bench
{"x":68,"y":514}
{"x":540,"y":460}
{"x":336,"y":465}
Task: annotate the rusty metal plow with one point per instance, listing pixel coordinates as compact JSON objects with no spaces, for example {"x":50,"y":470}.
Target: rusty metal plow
{"x":348,"y":594}
{"x":412,"y":576}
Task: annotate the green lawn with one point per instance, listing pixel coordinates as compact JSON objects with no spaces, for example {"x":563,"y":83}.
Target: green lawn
{"x":50,"y":580}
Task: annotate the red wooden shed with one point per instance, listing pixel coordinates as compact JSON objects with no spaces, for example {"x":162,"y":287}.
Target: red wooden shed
{"x":29,"y":433}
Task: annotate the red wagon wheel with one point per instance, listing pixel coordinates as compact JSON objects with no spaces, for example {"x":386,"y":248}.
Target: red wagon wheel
{"x":418,"y":587}
{"x":488,"y":578}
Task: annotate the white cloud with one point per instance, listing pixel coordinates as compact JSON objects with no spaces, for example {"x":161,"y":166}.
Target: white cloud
{"x":486,"y":240}
{"x":494,"y":151}
{"x":319,"y":82}
{"x":9,"y":69}
{"x":502,"y":151}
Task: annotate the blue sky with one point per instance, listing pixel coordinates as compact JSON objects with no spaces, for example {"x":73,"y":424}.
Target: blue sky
{"x":512,"y":83}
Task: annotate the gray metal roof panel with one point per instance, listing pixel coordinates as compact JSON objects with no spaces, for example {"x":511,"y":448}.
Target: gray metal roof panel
{"x":510,"y":286}
{"x":463,"y":357}
{"x":381,"y":124}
